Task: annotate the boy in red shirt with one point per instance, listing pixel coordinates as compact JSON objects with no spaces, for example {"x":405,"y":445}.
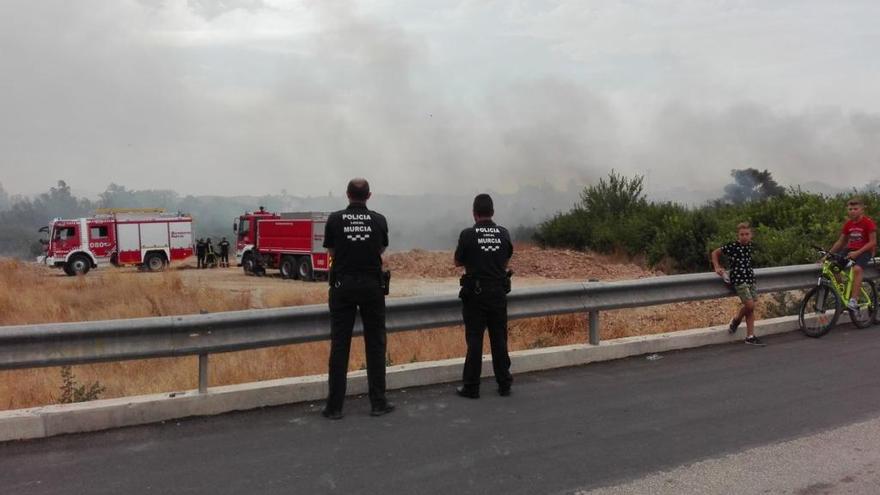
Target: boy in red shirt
{"x":859,"y":235}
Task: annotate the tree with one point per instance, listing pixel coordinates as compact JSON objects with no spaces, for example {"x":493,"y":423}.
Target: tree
{"x":615,"y":197}
{"x":4,"y":198}
{"x":116,"y":196}
{"x":60,"y":202}
{"x":750,"y":184}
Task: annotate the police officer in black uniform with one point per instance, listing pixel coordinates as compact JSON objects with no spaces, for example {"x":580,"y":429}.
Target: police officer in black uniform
{"x":356,"y":238}
{"x":484,"y":251}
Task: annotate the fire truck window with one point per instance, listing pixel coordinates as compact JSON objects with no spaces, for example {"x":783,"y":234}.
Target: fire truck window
{"x":63,"y":233}
{"x":98,"y":232}
{"x":243,"y":227}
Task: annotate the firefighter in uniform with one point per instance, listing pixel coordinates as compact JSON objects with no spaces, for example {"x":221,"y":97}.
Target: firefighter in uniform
{"x":210,"y":254}
{"x":484,"y":251}
{"x":201,"y":248}
{"x":355,"y":239}
{"x":224,"y":253}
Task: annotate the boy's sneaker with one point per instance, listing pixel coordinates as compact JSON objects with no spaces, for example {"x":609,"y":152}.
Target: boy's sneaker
{"x":754,"y":341}
{"x":852,"y":305}
{"x":734,"y":324}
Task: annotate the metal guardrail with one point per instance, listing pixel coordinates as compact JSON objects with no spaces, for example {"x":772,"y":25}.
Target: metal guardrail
{"x":30,"y":346}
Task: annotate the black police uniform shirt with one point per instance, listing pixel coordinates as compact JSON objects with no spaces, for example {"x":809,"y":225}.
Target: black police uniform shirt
{"x":740,"y":260}
{"x":484,"y":250}
{"x":358,"y":236}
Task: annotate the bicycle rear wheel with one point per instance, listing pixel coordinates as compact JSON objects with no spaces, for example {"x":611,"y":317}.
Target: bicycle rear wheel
{"x":864,"y":316}
{"x":819,"y":311}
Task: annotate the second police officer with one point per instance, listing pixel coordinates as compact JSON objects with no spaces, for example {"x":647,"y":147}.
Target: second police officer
{"x":484,"y":251}
{"x":355,"y":239}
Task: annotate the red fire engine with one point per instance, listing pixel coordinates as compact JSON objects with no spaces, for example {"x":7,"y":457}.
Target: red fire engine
{"x":143,"y":237}
{"x":290,"y":242}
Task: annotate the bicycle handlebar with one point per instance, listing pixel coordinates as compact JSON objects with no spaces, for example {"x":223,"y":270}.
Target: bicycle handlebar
{"x":836,"y":256}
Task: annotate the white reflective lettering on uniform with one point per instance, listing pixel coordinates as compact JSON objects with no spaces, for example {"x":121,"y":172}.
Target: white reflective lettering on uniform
{"x":359,"y":216}
{"x":488,"y":240}
{"x":357,"y":228}
{"x":487,"y":230}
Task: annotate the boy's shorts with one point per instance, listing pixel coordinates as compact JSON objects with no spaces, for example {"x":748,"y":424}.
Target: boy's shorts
{"x":747,"y":292}
{"x":863,"y":259}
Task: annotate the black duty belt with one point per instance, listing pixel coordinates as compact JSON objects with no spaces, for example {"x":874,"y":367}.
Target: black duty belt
{"x":478,"y":284}
{"x":475,"y":283}
{"x":354,"y":275}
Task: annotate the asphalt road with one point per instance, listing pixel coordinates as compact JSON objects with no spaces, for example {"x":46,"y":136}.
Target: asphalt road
{"x":616,"y":424}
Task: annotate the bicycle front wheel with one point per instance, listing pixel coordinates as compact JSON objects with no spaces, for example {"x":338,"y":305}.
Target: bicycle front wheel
{"x":864,"y":316}
{"x":819,"y":311}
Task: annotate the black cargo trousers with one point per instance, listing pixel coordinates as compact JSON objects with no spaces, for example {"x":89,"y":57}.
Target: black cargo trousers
{"x":486,"y":309}
{"x":349,"y":293}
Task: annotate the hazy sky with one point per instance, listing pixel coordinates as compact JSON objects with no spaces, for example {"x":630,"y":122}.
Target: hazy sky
{"x":255,"y":96}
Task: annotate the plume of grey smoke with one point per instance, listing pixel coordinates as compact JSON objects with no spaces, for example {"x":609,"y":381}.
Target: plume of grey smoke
{"x":698,"y":146}
{"x":110,"y":93}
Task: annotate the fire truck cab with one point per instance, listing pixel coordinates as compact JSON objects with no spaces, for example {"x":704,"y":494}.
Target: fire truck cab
{"x":291,"y":242}
{"x":145,"y":238}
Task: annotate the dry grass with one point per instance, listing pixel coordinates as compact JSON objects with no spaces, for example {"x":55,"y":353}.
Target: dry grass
{"x":31,"y":294}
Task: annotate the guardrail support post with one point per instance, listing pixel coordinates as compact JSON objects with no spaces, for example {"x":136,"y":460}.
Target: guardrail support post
{"x":203,"y":373}
{"x":594,"y":327}
{"x":594,"y":322}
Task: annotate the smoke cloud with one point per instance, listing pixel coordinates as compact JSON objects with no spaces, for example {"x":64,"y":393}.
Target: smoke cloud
{"x":231,"y":97}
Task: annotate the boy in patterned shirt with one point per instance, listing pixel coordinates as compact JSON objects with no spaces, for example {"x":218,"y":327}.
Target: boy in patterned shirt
{"x":742,"y":278}
{"x":859,"y":235}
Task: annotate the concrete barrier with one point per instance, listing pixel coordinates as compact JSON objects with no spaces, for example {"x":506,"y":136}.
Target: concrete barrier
{"x":104,"y":414}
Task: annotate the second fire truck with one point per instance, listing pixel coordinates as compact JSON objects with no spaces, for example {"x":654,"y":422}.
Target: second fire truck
{"x":289,"y":242}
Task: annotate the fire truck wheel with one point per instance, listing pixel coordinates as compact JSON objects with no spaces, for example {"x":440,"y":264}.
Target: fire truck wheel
{"x":78,"y":265}
{"x":247,"y":264}
{"x":304,"y":270}
{"x":155,"y":262}
{"x":67,"y":270}
{"x":288,"y":268}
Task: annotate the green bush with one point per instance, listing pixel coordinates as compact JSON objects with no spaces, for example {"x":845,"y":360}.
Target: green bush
{"x":683,"y":240}
{"x":614,"y":216}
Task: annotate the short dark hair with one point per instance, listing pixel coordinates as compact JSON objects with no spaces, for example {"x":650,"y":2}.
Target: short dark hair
{"x":855,"y":201}
{"x":483,"y":205}
{"x":358,"y":189}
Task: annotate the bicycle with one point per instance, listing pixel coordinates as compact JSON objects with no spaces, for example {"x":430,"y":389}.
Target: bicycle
{"x":822,"y":305}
